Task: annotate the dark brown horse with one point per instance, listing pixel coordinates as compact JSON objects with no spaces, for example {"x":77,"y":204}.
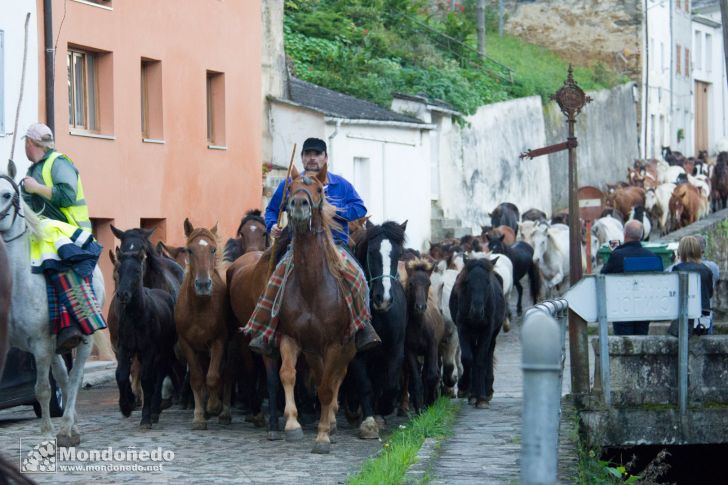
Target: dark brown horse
{"x":425,"y":331}
{"x":202,"y":319}
{"x":5,"y":293}
{"x":251,"y":236}
{"x":314,"y":316}
{"x":719,"y":182}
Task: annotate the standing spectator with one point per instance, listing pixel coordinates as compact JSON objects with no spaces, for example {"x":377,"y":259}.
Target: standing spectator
{"x":690,"y":253}
{"x":631,"y":257}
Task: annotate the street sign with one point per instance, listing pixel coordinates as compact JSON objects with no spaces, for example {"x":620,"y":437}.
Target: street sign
{"x":591,"y":202}
{"x":635,"y":297}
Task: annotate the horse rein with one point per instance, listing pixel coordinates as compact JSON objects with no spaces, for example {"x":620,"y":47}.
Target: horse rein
{"x":381,"y":276}
{"x":14,"y":203}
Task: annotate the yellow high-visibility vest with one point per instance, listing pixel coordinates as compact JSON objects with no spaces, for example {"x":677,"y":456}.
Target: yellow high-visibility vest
{"x":76,"y":214}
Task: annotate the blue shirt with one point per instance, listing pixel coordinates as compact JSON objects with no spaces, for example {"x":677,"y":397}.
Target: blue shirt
{"x":339,"y":192}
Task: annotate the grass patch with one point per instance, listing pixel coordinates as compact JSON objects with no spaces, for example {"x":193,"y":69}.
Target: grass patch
{"x":400,"y":449}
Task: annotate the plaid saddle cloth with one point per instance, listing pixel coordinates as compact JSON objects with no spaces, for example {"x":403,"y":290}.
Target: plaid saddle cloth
{"x":264,"y":319}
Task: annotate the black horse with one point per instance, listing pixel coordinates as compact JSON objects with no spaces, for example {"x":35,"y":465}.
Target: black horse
{"x":146,"y":330}
{"x":478,"y":308}
{"x":506,"y":214}
{"x":237,"y":246}
{"x":521,"y":255}
{"x":373,"y":377}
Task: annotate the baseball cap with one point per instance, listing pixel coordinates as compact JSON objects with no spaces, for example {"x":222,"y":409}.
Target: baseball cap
{"x":314,"y":144}
{"x":39,"y":132}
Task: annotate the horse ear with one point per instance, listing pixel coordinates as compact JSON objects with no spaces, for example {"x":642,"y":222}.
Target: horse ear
{"x":294,"y":173}
{"x":404,"y":225}
{"x":322,"y":174}
{"x":117,"y":232}
{"x":149,"y":232}
{"x":12,"y":170}
{"x":214,"y":229}
{"x":494,"y":260}
{"x":501,"y":237}
{"x":188,"y":227}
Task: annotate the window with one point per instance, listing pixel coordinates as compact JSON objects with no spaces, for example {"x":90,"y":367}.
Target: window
{"x":687,"y":62}
{"x":708,"y":52}
{"x":82,"y":90}
{"x":698,"y":49}
{"x":662,"y":57}
{"x":90,"y":91}
{"x":151,"y":100}
{"x":2,"y":86}
{"x":215,"y":109}
{"x":678,"y":56}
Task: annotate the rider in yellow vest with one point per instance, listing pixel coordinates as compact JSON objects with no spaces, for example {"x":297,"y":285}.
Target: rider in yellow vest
{"x":53,"y":189}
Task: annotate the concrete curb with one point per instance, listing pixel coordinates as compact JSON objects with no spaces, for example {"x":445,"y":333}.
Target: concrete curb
{"x":425,"y":459}
{"x":98,"y":372}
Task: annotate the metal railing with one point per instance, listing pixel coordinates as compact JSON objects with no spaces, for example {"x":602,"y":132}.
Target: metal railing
{"x":543,"y":344}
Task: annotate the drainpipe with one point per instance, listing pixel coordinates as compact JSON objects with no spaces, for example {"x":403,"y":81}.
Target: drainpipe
{"x":49,"y":68}
{"x":647,"y":82}
{"x":331,"y":139}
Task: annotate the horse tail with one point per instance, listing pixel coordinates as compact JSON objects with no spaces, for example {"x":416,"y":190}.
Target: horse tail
{"x":233,"y":250}
{"x":534,"y":281}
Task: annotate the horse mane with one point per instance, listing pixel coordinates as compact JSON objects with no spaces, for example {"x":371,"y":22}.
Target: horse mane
{"x":202,"y":231}
{"x":155,"y":261}
{"x":329,"y":224}
{"x":32,"y":219}
{"x":419,"y":264}
{"x":251,"y":215}
{"x":479,"y":262}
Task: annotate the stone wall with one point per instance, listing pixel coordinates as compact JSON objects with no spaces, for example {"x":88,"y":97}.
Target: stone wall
{"x":607,"y":134}
{"x":585,"y":32}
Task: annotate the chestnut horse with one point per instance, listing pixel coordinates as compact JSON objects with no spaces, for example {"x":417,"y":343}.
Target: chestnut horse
{"x":314,"y":315}
{"x":684,"y":206}
{"x":5,"y":293}
{"x":719,"y":182}
{"x":202,"y":319}
{"x":251,"y":236}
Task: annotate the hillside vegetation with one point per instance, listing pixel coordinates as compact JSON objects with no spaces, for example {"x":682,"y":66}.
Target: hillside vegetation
{"x":373,"y":48}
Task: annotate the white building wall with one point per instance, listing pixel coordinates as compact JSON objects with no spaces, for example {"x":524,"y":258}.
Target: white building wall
{"x":709,"y":67}
{"x":682,"y":82}
{"x":484,"y":169}
{"x":390,"y":168}
{"x":657,"y":73}
{"x":289,"y":124}
{"x":12,"y":22}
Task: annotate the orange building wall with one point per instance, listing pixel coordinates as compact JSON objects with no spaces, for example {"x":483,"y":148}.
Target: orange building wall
{"x":125,"y":179}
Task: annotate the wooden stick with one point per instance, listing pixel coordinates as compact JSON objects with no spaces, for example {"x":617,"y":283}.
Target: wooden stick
{"x":280,"y":213}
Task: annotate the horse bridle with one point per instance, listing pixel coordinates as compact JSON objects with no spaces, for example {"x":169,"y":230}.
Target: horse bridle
{"x":380,"y":277}
{"x":14,"y":204}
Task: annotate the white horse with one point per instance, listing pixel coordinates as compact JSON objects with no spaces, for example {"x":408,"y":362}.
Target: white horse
{"x":29,"y":319}
{"x":551,"y":252}
{"x":657,"y":202}
{"x":608,"y":229}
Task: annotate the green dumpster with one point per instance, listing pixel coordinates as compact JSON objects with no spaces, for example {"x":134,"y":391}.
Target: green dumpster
{"x":664,"y":250}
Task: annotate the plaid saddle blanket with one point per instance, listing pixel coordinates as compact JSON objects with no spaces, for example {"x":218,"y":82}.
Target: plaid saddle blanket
{"x":264,"y":319}
{"x":71,"y":298}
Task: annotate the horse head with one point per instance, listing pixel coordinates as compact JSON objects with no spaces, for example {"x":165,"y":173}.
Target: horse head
{"x":307,"y":201}
{"x":9,"y":203}
{"x":133,"y":239}
{"x":475,"y":285}
{"x":495,"y":243}
{"x":202,"y":258}
{"x":540,"y":241}
{"x":380,"y":254}
{"x":252,"y":232}
{"x":129,"y":270}
{"x":418,"y":284}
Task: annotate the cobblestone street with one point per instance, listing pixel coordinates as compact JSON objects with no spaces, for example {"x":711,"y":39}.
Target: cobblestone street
{"x":237,"y":453}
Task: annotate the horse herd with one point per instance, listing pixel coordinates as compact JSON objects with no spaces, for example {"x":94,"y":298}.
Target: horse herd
{"x":438,"y":315}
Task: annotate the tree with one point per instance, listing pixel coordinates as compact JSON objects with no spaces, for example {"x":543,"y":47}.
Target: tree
{"x":724,"y":21}
{"x":480,"y":12}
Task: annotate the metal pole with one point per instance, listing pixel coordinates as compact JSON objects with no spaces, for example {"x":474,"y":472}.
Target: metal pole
{"x":541,"y":364}
{"x":50,"y":73}
{"x":682,"y":347}
{"x":603,"y":339}
{"x":588,"y":247}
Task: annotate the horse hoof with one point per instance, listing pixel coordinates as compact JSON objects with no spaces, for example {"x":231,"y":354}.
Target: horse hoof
{"x":381,"y":423}
{"x":321,"y":448}
{"x":274,"y":436}
{"x":259,"y":420}
{"x":482,"y":404}
{"x":294,"y":434}
{"x":199,"y":425}
{"x":369,"y":429}
{"x":401,"y":412}
{"x":155,"y":418}
{"x":507,"y":325}
{"x":145,"y":425}
{"x":471,"y":400}
{"x":224,"y":419}
{"x":214,"y":409}
{"x":67,"y":441}
{"x":126,"y":409}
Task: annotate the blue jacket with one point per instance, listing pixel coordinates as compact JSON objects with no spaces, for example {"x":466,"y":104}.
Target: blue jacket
{"x":339,"y":192}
